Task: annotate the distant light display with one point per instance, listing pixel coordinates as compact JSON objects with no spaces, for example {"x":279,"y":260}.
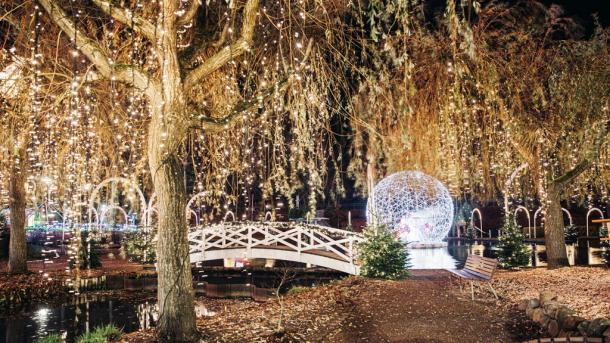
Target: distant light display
{"x":415,"y":204}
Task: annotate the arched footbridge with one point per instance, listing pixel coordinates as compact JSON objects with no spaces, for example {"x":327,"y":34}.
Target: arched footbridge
{"x":306,"y":243}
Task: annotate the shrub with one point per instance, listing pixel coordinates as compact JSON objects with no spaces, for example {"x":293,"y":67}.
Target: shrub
{"x":606,"y":247}
{"x":52,"y":338}
{"x":382,"y":254}
{"x":297,"y":290}
{"x":101,"y":334}
{"x":88,"y":258}
{"x":571,"y":234}
{"x":139,"y":246}
{"x":513,"y":252}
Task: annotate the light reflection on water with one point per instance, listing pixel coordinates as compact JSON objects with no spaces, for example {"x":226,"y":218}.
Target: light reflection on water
{"x":76,"y":317}
{"x":586,"y":252}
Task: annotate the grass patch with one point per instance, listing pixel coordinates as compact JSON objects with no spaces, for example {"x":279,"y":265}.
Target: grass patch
{"x":52,"y":338}
{"x":101,"y":334}
{"x":297,"y":290}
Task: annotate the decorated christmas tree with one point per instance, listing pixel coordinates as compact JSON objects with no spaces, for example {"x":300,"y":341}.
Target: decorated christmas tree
{"x":513,"y":251}
{"x":382,"y":254}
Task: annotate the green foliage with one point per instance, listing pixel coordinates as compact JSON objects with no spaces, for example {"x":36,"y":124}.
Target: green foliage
{"x":295,"y":213}
{"x":139,"y":246}
{"x":3,"y":224}
{"x":101,"y":334}
{"x":513,"y":252}
{"x":52,"y":338}
{"x":606,"y":246}
{"x":382,"y":254}
{"x":471,"y":233}
{"x":297,"y":290}
{"x":571,"y":234}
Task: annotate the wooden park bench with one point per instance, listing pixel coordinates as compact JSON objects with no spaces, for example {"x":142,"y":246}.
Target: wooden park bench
{"x":477,"y":268}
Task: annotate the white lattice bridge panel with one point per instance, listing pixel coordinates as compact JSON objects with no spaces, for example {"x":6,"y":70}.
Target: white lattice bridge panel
{"x":306,"y":243}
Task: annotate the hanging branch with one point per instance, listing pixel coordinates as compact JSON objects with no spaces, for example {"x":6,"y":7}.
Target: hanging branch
{"x":589,"y":157}
{"x":203,"y":121}
{"x":190,"y":13}
{"x":138,"y":24}
{"x":122,"y":73}
{"x":228,"y":53}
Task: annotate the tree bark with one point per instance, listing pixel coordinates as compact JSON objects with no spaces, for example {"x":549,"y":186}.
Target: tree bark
{"x":175,"y":285}
{"x":554,"y":237}
{"x":17,"y":262}
{"x":166,"y":133}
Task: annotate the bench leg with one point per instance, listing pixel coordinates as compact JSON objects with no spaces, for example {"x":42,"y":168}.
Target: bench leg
{"x":472,"y":290}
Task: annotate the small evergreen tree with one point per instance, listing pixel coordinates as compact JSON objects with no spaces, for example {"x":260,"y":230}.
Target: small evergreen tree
{"x":513,"y":251}
{"x":605,"y":246}
{"x":471,"y":233}
{"x":140,"y":246}
{"x":382,"y":254}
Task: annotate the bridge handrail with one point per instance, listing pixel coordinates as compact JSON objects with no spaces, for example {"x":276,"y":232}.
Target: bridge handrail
{"x":299,"y":237}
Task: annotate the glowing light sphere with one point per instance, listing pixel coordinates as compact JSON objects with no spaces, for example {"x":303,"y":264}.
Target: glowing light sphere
{"x":415,"y":204}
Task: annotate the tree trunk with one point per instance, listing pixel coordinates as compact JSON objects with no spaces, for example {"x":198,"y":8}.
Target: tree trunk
{"x":165,"y":135}
{"x":175,"y":283}
{"x":554,"y":231}
{"x":18,"y":251}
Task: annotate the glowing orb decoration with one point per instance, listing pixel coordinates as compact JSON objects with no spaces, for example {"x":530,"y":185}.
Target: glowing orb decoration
{"x":417,"y":205}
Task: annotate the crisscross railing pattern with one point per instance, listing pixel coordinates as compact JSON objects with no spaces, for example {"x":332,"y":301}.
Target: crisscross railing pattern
{"x":298,"y":237}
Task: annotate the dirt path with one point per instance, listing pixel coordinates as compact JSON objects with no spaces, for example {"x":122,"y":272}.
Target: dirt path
{"x":425,"y":308}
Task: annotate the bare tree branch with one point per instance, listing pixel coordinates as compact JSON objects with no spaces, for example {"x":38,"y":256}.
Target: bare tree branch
{"x":228,"y":53}
{"x":122,"y":73}
{"x":190,"y":13}
{"x":138,"y":24}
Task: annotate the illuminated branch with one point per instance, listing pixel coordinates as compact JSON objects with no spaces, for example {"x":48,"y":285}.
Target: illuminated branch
{"x":228,"y":53}
{"x":203,"y":121}
{"x":190,"y":13}
{"x":590,"y":156}
{"x":137,"y":23}
{"x":122,"y":73}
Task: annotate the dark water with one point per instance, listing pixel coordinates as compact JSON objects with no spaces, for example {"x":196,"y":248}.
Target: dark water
{"x":72,"y":319}
{"x":584,"y":252}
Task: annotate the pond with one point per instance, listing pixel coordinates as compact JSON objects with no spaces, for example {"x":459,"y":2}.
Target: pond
{"x":585,"y":252}
{"x":79,"y":315}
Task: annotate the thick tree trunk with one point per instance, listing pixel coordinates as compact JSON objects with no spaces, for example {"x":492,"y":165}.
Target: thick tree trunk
{"x":165,"y":135}
{"x":175,"y":284}
{"x":18,"y":252}
{"x":554,"y":231}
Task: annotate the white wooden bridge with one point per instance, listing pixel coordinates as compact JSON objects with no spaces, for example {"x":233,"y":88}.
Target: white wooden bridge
{"x":306,"y":243}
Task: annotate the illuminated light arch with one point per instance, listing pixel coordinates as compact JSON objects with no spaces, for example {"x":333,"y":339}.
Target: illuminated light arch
{"x":509,"y":183}
{"x":529,"y":220}
{"x":476,"y":210}
{"x":229,"y":212}
{"x":540,"y":210}
{"x":118,"y":179}
{"x":594,"y":209}
{"x":110,"y":208}
{"x":203,"y":194}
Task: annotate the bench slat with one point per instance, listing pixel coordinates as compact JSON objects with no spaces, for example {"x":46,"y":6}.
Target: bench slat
{"x":477,"y":268}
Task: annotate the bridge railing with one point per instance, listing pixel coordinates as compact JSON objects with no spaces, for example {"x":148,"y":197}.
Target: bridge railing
{"x":308,"y":238}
